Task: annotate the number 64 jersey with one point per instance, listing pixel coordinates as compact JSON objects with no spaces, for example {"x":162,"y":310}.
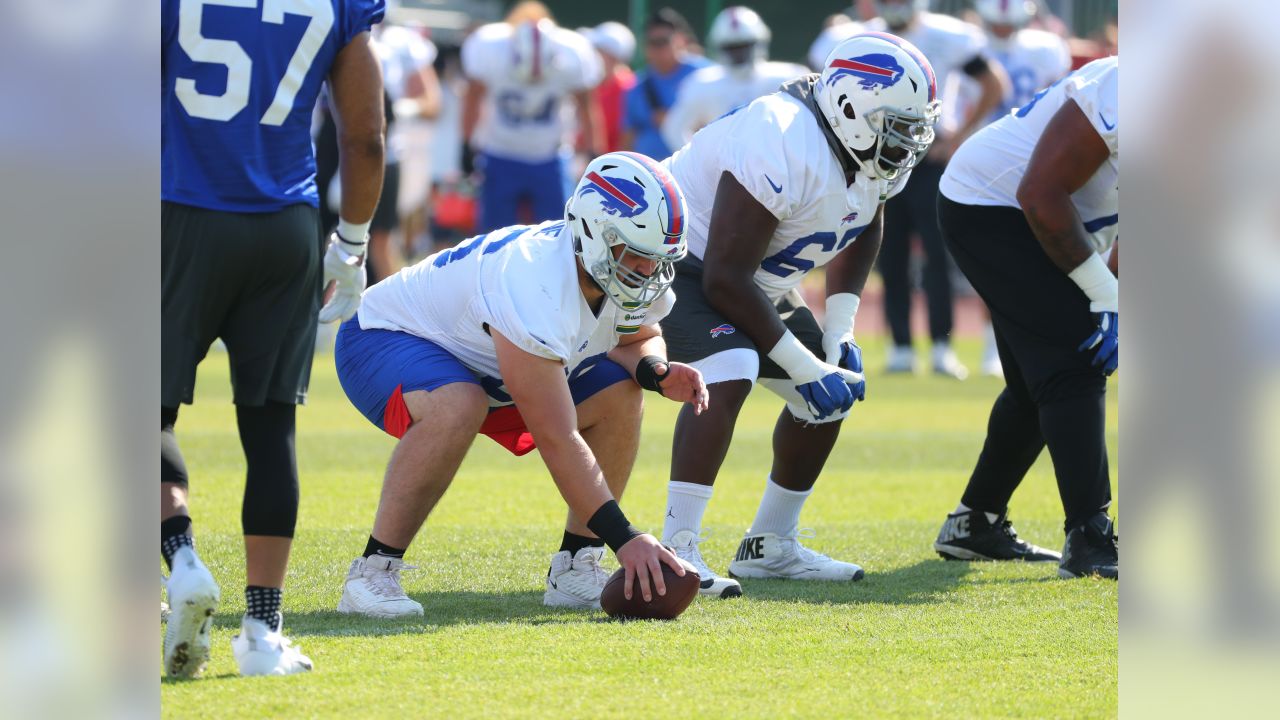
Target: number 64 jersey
{"x":775,"y":148}
{"x":239,"y":81}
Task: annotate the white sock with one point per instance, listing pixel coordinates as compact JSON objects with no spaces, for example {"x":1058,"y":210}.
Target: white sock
{"x":686,"y":502}
{"x":989,"y":350}
{"x":962,"y":508}
{"x":779,"y":511}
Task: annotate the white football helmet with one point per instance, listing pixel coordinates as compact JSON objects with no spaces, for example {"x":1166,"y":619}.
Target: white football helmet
{"x":627,"y":199}
{"x":735,"y":28}
{"x":897,"y":13}
{"x":1005,"y":12}
{"x":878,"y":92}
{"x":532,"y":50}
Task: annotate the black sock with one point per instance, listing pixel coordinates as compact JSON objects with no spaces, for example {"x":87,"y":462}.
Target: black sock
{"x":573,"y":543}
{"x":376,"y":548}
{"x":263,"y":603}
{"x":175,"y":533}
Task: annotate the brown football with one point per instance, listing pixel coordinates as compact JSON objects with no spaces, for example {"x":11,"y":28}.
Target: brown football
{"x":680,"y":592}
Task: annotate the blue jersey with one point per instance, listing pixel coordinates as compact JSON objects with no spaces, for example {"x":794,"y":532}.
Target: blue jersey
{"x":239,"y":81}
{"x":655,"y":92}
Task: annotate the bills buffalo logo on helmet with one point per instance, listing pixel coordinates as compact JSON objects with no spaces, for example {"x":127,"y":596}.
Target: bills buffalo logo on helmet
{"x":872,"y":70}
{"x":725,"y":329}
{"x":618,"y":196}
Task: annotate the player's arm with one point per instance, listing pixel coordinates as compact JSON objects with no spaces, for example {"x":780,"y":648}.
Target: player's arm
{"x":847,"y":275}
{"x":355,"y":87}
{"x":678,"y":123}
{"x":1113,"y":262}
{"x":993,"y":86}
{"x":538,"y":387}
{"x":644,"y":355}
{"x":423,"y":87}
{"x":589,"y":120}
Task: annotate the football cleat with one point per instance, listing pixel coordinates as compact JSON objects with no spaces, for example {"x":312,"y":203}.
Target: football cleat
{"x":1092,"y":549}
{"x":373,"y":589}
{"x":766,"y":555}
{"x":263,"y":650}
{"x":193,"y":598}
{"x":970,"y":536}
{"x":685,"y":545}
{"x":946,"y":364}
{"x":576,"y":580}
{"x":902,"y":359}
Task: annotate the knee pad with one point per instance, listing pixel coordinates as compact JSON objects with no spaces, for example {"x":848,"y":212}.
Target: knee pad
{"x":726,"y":365}
{"x":173,"y":469}
{"x":786,"y":390}
{"x":271,"y":484}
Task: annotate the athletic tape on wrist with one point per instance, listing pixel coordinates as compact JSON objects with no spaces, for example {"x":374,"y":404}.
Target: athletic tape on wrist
{"x":611,"y":525}
{"x":647,"y":373}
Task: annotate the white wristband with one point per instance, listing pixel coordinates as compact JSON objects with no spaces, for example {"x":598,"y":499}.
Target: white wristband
{"x":1095,"y":279}
{"x":354,"y":233}
{"x":840,"y":310}
{"x":793,"y":357}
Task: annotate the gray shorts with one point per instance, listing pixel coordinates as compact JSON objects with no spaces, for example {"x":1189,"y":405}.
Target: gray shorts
{"x":252,"y":279}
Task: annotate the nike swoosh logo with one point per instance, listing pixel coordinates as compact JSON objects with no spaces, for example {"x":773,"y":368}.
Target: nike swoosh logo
{"x":1105,"y":124}
{"x":778,"y":188}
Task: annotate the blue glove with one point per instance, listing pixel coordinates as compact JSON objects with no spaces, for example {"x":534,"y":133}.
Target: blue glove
{"x":1106,"y":341}
{"x":827,"y":395}
{"x":850,"y":358}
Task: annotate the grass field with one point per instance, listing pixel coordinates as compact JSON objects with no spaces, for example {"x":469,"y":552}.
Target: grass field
{"x":918,"y":637}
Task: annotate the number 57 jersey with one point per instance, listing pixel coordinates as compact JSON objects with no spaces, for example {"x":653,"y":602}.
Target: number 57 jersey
{"x":775,"y":148}
{"x":239,"y":81}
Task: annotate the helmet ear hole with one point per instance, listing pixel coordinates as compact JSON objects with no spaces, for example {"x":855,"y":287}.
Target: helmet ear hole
{"x":849,"y":113}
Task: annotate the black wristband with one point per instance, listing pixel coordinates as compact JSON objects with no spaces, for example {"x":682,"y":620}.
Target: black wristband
{"x":611,"y":525}
{"x":647,"y":373}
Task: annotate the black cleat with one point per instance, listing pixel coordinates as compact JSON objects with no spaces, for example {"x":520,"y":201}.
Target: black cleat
{"x":970,"y":536}
{"x":1092,"y":549}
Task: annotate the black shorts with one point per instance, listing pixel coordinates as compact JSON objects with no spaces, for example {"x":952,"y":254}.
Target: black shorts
{"x":252,"y":279}
{"x":695,"y":329}
{"x":387,"y":215}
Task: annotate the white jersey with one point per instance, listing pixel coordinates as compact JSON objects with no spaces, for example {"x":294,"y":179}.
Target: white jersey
{"x":715,"y":90}
{"x":948,"y":44}
{"x":402,"y":53}
{"x":988,"y":167}
{"x":521,"y":120}
{"x":521,"y":281}
{"x":1033,"y":60}
{"x":827,"y":41}
{"x":775,"y":148}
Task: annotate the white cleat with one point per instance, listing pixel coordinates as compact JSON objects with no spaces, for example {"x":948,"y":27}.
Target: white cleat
{"x":902,"y":359}
{"x":261,"y":650}
{"x":685,"y":545}
{"x":193,"y":598}
{"x":373,"y":589}
{"x":946,"y":364}
{"x":765,"y":555}
{"x":576,"y":581}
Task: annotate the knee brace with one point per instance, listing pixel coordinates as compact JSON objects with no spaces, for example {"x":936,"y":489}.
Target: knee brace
{"x":270,"y":504}
{"x":173,"y":469}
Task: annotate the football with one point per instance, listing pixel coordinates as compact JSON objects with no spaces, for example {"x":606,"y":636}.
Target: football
{"x":680,"y":592}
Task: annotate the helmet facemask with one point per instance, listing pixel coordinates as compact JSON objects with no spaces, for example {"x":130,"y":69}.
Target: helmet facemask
{"x":624,"y":287}
{"x":906,"y":136}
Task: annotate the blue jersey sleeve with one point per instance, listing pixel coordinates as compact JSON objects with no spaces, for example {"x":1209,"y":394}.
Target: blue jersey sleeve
{"x":359,"y":16}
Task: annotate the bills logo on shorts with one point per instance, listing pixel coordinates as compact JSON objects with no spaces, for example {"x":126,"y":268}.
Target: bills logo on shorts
{"x":725,"y":329}
{"x":872,"y":70}
{"x":618,"y":196}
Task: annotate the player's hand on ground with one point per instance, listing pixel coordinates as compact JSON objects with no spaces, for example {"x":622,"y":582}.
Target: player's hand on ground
{"x":346,"y":272}
{"x":642,"y":559}
{"x":1105,"y":341}
{"x":683,"y":383}
{"x":842,"y":351}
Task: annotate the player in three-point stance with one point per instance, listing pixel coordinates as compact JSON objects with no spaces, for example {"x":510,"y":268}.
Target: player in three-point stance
{"x":536,"y":336}
{"x":794,"y":181}
{"x":1026,"y":206}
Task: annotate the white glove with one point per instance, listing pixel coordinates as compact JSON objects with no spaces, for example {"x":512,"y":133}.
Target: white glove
{"x":826,"y":388}
{"x":837,"y":328}
{"x":344,"y":268}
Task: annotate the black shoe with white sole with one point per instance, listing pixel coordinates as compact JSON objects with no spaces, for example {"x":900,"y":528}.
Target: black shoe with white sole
{"x":970,"y":536}
{"x":1092,"y":549}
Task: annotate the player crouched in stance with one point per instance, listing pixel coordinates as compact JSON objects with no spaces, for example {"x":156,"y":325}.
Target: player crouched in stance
{"x":1026,"y":206}
{"x":792,"y":182}
{"x":558,"y":320}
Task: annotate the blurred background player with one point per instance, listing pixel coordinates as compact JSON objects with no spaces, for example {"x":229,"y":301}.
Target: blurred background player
{"x":241,"y":261}
{"x":520,"y":72}
{"x":739,"y":41}
{"x":836,"y":29}
{"x":954,"y":48}
{"x":667,"y":36}
{"x":616,"y":45}
{"x":792,"y":182}
{"x":558,"y":320}
{"x":1026,"y":206}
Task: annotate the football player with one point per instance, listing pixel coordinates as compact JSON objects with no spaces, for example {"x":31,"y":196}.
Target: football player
{"x":740,"y":41}
{"x":1032,"y":59}
{"x":520,"y":73}
{"x":1026,"y":207}
{"x":240,"y":260}
{"x":955,"y":48}
{"x":794,"y":181}
{"x":559,"y":320}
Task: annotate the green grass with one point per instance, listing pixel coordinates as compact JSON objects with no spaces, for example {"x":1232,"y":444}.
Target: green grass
{"x":918,"y":637}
